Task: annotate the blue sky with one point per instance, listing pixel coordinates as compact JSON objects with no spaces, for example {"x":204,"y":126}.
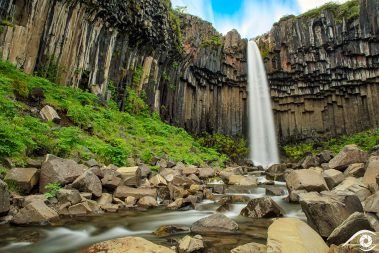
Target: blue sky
{"x":249,"y":17}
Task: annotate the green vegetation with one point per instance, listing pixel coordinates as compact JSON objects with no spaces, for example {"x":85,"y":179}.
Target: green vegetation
{"x":6,"y":22}
{"x":235,"y":149}
{"x":3,"y":171}
{"x":366,"y":140}
{"x":88,"y":128}
{"x":264,"y":49}
{"x":137,"y":76}
{"x":286,"y":17}
{"x":53,"y":190}
{"x":12,"y":186}
{"x":51,"y":69}
{"x":214,"y":40}
{"x":181,"y":9}
{"x":174,"y":19}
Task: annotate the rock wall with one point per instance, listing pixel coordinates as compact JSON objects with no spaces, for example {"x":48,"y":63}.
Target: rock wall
{"x":324,"y":73}
{"x":113,"y":46}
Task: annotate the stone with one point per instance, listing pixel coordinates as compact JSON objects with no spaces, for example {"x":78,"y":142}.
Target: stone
{"x":289,"y":235}
{"x":182,"y":181}
{"x":130,"y":201}
{"x":306,"y":179}
{"x":250,"y":248}
{"x":355,"y":170}
{"x":176,"y":204}
{"x":58,"y":170}
{"x":189,"y":244}
{"x":352,"y":185}
{"x":110,"y":208}
{"x":88,"y":182}
{"x":372,"y":170}
{"x":82,"y":209}
{"x":195,"y":188}
{"x":91,"y":163}
{"x":37,"y":213}
{"x":262,"y":208}
{"x":310,"y":161}
{"x":371,"y":205}
{"x":333,"y":177}
{"x":71,"y":196}
{"x":162,"y":163}
{"x":353,"y":224}
{"x":147,"y":202}
{"x":274,"y":191}
{"x":24,"y":178}
{"x":166,"y":230}
{"x":227,"y":172}
{"x":217,"y":223}
{"x":48,"y":113}
{"x":206,"y":172}
{"x":242,"y":180}
{"x":145,"y":171}
{"x":195,"y":179}
{"x":188,"y":170}
{"x":4,"y":198}
{"x":276,"y":172}
{"x":349,"y":154}
{"x":110,"y":181}
{"x":158,"y":180}
{"x":105,"y":199}
{"x":324,"y":156}
{"x":127,"y":245}
{"x":344,"y":249}
{"x":169,"y":174}
{"x":123,"y":192}
{"x":177,"y":192}
{"x":325,"y":211}
{"x":131,"y":176}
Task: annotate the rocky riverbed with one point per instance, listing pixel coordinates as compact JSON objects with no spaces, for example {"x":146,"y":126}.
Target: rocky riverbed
{"x":58,"y":205}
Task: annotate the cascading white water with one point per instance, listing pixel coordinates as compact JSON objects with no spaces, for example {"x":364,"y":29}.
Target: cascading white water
{"x":262,"y":138}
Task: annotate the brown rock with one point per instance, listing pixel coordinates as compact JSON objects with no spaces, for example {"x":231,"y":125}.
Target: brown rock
{"x":355,"y":170}
{"x":306,"y":179}
{"x":206,"y":172}
{"x":71,"y":196}
{"x":274,"y":191}
{"x":190,"y":244}
{"x":333,"y":177}
{"x":352,"y":185}
{"x":110,"y":181}
{"x":166,"y":230}
{"x":123,"y":192}
{"x":147,"y":202}
{"x":372,"y":170}
{"x":25,"y":178}
{"x":371,"y":204}
{"x":48,"y":113}
{"x":131,"y":176}
{"x":4,"y":197}
{"x":190,"y":170}
{"x":88,"y":182}
{"x":250,"y":248}
{"x":217,"y":223}
{"x":262,"y":208}
{"x":158,"y":180}
{"x":350,"y":154}
{"x":276,"y":172}
{"x":37,"y":213}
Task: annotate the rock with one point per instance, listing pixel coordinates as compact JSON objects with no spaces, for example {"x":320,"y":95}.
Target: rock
{"x":162,"y":163}
{"x":324,"y":156}
{"x":182,"y":181}
{"x":110,"y":181}
{"x":24,"y":178}
{"x":189,"y":244}
{"x":83,"y":208}
{"x":169,"y":174}
{"x":176,"y":204}
{"x":88,"y":182}
{"x":48,"y":113}
{"x":262,"y":208}
{"x":206,"y":172}
{"x":127,"y":245}
{"x":105,"y":199}
{"x":274,"y":191}
{"x":158,"y":180}
{"x":372,"y":170}
{"x":147,"y":202}
{"x":145,"y":171}
{"x":288,"y":235}
{"x":110,"y":208}
{"x":250,"y":248}
{"x":310,"y":161}
{"x":352,"y":185}
{"x":190,"y":170}
{"x":32,"y":198}
{"x":195,"y":179}
{"x":226,"y":173}
{"x":177,"y":192}
{"x":333,"y":177}
{"x":4,"y":198}
{"x":71,"y":196}
{"x":37,"y":213}
{"x":344,"y":249}
{"x":243,"y":181}
{"x":326,"y":211}
{"x":170,"y":164}
{"x":349,"y":154}
{"x":217,"y":223}
{"x":353,"y":224}
{"x":58,"y":170}
{"x":371,"y":204}
{"x":124,"y":191}
{"x":166,"y":230}
{"x":195,"y":188}
{"x":130,"y":201}
{"x":86,"y":195}
{"x":91,"y":163}
{"x":131,"y":176}
{"x":355,"y":170}
{"x":276,"y":172}
{"x":306,"y":179}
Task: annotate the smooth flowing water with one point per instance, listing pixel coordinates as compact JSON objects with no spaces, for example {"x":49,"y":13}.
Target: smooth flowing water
{"x":74,"y":234}
{"x":262,"y":138}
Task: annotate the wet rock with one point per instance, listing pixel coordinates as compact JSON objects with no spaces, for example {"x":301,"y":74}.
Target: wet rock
{"x":88,"y":182}
{"x":217,"y":223}
{"x":274,"y":191}
{"x":158,"y":180}
{"x":190,"y":244}
{"x":206,"y":172}
{"x":276,"y":172}
{"x":372,"y":170}
{"x":24,"y":178}
{"x":71,"y":196}
{"x":250,"y":248}
{"x":325,"y":211}
{"x":306,"y":179}
{"x":58,"y":170}
{"x":242,"y":180}
{"x":166,"y":230}
{"x":123,"y":192}
{"x":288,"y":235}
{"x":262,"y":208}
{"x":147,"y":202}
{"x":354,"y":223}
{"x":37,"y":213}
{"x":349,"y":154}
{"x":333,"y":177}
{"x":355,"y":170}
{"x":352,"y":185}
{"x":48,"y":113}
{"x":4,"y":197}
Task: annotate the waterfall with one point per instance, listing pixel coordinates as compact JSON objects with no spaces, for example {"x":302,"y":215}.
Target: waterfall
{"x":262,"y":138}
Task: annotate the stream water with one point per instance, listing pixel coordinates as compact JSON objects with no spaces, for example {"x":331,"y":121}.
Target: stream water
{"x":77,"y":233}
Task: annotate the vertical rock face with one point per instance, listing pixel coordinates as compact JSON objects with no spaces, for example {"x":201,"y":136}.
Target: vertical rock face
{"x":324,"y":73}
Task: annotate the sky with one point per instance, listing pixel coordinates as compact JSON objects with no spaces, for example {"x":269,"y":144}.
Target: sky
{"x":250,"y":17}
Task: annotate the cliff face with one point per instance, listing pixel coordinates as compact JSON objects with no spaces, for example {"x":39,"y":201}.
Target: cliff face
{"x":106,"y":46}
{"x":324,"y":73}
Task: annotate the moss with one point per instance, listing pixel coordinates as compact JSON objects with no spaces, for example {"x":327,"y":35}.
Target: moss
{"x":137,"y":76}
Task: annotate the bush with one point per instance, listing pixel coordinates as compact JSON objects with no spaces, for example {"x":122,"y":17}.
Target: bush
{"x":53,"y":190}
{"x":21,"y":88}
{"x":214,"y":40}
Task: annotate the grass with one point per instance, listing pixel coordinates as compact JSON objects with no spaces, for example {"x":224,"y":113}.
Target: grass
{"x":214,"y":40}
{"x":88,"y":128}
{"x":365,"y":140}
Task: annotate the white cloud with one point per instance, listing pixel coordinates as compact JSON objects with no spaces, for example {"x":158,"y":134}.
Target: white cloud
{"x":306,"y":5}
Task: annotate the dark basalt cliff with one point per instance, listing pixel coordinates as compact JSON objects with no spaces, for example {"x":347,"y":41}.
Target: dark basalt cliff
{"x":324,"y":73}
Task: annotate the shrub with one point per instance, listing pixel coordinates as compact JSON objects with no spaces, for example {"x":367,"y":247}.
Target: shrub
{"x":214,"y":40}
{"x":53,"y":190}
{"x":134,"y":104}
{"x":21,"y":88}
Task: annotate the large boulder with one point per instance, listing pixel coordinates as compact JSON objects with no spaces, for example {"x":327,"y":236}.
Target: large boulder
{"x":58,"y":170}
{"x":250,"y":248}
{"x":88,"y":182}
{"x":227,"y":172}
{"x":122,"y":192}
{"x":206,"y":172}
{"x":48,"y":113}
{"x":243,"y":180}
{"x":325,"y":211}
{"x":71,"y":196}
{"x":352,"y":185}
{"x":354,"y":223}
{"x":372,"y":170}
{"x":355,"y":170}
{"x":131,"y":176}
{"x":217,"y":223}
{"x":24,"y":178}
{"x":288,"y":235}
{"x":276,"y":172}
{"x":333,"y":177}
{"x":37,"y":213}
{"x":147,"y":202}
{"x":262,"y":208}
{"x":190,"y":244}
{"x":349,"y":154}
{"x":371,"y":204}
{"x":4,"y":198}
{"x":127,"y":245}
{"x":306,"y":179}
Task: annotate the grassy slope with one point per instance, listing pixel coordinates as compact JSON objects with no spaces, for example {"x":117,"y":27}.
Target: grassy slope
{"x":90,"y":130}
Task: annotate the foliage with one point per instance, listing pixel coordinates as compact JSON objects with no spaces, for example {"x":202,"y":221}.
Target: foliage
{"x":286,"y":17}
{"x":214,"y":40}
{"x":235,"y":149}
{"x":21,"y":88}
{"x":90,"y":129}
{"x":6,"y":22}
{"x":3,"y":171}
{"x":13,"y":186}
{"x":297,"y":152}
{"x":137,"y":76}
{"x":174,"y":20}
{"x":51,"y":69}
{"x":53,"y":190}
{"x":181,"y":9}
